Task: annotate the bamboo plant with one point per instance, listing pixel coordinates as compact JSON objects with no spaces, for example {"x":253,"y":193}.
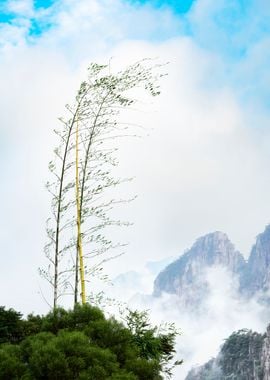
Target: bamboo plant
{"x":82,"y":172}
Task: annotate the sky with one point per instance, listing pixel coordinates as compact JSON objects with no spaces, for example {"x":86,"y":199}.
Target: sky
{"x":203,"y":166}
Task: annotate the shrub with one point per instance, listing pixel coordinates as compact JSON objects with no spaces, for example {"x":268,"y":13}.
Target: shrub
{"x":81,"y":344}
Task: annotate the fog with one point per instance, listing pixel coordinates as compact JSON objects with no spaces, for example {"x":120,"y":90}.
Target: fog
{"x":204,"y":328}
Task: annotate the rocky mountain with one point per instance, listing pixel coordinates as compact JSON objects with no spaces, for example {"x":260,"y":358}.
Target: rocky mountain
{"x":245,"y":355}
{"x":257,"y":275}
{"x":186,"y":277}
{"x":209,"y":371}
{"x":197,"y":279}
{"x":265,"y":356}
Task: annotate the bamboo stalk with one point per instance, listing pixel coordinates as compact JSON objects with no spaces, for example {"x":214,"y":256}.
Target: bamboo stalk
{"x":84,"y":173}
{"x":79,"y":236}
{"x":57,"y":232}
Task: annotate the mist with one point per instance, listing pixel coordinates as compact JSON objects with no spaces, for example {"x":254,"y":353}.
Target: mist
{"x":202,"y":329}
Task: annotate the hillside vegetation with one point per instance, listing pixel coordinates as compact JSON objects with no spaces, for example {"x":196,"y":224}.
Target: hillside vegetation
{"x":82,"y":344}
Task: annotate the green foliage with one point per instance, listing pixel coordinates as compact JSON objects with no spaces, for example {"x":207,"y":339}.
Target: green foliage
{"x":10,"y":325}
{"x":154,"y":343}
{"x":11,"y":365}
{"x":143,"y":334}
{"x":81,"y":344}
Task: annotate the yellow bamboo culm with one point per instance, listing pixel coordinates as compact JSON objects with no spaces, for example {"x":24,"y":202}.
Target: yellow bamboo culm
{"x":79,"y":237}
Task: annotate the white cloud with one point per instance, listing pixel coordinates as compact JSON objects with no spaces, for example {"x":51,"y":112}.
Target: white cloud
{"x":23,"y":8}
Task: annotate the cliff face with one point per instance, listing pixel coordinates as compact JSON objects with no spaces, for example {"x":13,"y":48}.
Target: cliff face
{"x":265,"y":356}
{"x":245,"y":355}
{"x":186,"y":277}
{"x":257,"y":275}
{"x":209,"y":371}
{"x":240,"y":358}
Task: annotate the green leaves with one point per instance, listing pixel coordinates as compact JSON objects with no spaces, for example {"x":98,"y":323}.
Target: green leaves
{"x":12,"y":366}
{"x":154,"y":343}
{"x":81,"y":344}
{"x":10,"y":325}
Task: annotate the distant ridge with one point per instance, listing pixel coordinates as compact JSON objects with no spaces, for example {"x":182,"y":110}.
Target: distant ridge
{"x":187,"y":276}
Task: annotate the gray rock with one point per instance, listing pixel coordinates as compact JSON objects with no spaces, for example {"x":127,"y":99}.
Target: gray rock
{"x":243,"y":356}
{"x":265,"y":358}
{"x":256,"y":278}
{"x":186,"y":276}
{"x":208,"y":371}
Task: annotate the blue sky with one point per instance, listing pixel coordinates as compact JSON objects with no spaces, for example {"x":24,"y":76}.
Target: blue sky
{"x":177,"y":6}
{"x":229,"y":27}
{"x":43,"y":3}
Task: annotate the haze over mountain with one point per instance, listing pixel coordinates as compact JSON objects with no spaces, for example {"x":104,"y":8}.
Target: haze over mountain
{"x":209,"y":292}
{"x":132,"y":282}
{"x":256,"y":278}
{"x":187,"y":277}
{"x":195,"y":281}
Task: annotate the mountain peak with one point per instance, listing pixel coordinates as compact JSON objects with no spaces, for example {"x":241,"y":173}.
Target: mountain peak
{"x":264,"y":237}
{"x":215,"y":236}
{"x":257,"y":277}
{"x":185,"y":276}
{"x":215,"y":248}
{"x":213,"y":244}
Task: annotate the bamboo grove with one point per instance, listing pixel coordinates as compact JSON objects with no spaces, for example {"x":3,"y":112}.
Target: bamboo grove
{"x":82,"y":175}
